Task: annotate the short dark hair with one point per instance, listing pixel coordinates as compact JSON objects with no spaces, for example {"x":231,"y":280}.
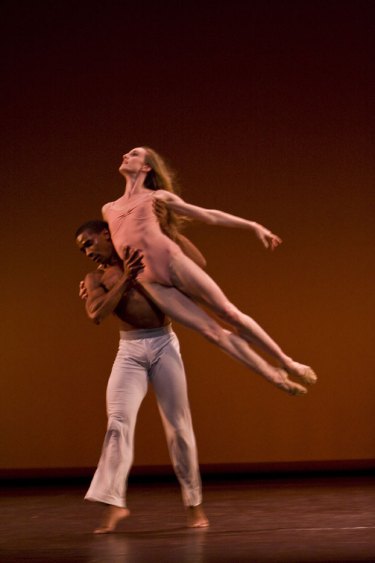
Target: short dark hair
{"x":95,"y":226}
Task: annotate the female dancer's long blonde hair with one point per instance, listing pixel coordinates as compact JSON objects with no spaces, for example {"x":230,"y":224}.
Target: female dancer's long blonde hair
{"x":161,"y":177}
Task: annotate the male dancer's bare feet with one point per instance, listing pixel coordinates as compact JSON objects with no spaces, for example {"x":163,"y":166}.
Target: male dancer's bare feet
{"x":196,"y":517}
{"x":111,"y":517}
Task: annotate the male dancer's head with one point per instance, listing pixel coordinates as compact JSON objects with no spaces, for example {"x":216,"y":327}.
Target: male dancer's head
{"x":94,"y":240}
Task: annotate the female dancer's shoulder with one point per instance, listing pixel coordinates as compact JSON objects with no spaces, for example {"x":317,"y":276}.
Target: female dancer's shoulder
{"x":105,"y":209}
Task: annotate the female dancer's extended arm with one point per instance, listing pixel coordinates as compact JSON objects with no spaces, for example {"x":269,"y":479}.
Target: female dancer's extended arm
{"x":216,"y":217}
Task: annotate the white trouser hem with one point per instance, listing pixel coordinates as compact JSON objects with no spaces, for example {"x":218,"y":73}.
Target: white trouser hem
{"x":106,"y":500}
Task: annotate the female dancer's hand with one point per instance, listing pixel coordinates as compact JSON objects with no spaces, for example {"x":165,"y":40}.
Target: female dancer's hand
{"x":268,"y":239}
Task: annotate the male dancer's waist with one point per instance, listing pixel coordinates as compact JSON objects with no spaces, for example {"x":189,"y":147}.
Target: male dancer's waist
{"x":145,"y":333}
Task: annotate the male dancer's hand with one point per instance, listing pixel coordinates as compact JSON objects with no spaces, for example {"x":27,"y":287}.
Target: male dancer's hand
{"x":161,"y":211}
{"x":133,"y":262}
{"x":82,"y":291}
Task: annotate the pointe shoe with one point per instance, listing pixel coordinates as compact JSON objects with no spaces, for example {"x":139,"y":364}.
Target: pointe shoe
{"x":304,"y":373}
{"x":290,"y":386}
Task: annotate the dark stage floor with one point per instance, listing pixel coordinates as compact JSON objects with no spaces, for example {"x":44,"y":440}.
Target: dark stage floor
{"x":255,"y":520}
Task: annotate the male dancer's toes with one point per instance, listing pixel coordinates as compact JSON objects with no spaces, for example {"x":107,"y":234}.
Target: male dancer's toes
{"x":111,"y":517}
{"x":287,"y":384}
{"x":196,"y":517}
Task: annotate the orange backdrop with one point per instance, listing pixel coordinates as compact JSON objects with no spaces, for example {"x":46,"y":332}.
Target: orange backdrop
{"x":265,"y":111}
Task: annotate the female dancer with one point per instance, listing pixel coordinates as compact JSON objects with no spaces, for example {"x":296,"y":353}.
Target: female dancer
{"x":175,"y":283}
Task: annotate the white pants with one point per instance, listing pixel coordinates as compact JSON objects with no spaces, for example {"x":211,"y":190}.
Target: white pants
{"x":146,"y":356}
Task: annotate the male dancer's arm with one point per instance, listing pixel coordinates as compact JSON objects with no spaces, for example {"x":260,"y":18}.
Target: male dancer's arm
{"x":102,"y":301}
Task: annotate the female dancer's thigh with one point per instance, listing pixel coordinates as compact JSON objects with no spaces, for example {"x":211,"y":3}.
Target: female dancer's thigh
{"x":196,"y":283}
{"x":181,"y":308}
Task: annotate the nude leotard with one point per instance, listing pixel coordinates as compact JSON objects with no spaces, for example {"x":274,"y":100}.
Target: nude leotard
{"x":132,"y":222}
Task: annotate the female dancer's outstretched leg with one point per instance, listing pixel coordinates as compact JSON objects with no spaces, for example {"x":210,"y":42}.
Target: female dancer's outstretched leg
{"x":182,"y":309}
{"x":194,"y":282}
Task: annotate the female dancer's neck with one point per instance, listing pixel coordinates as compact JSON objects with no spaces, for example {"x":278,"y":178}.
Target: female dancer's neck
{"x":134,"y":184}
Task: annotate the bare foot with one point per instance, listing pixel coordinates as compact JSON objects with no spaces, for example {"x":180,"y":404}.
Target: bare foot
{"x":305,"y":373}
{"x":111,"y":517}
{"x":286,"y":384}
{"x":196,"y":517}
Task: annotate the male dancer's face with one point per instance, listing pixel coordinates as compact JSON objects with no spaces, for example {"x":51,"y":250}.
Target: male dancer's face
{"x":96,"y":246}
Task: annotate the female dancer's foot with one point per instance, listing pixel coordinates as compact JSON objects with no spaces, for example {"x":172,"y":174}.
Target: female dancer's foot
{"x":285,"y":384}
{"x":196,"y":517}
{"x":111,"y":517}
{"x":304,"y":373}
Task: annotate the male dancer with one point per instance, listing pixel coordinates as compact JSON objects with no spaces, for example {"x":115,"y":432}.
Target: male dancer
{"x":148,"y":352}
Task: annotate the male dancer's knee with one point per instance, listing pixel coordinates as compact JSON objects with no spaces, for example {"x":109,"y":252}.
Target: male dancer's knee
{"x":117,"y":428}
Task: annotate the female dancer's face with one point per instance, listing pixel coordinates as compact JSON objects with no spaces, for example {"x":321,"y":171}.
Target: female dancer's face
{"x":133,"y":161}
